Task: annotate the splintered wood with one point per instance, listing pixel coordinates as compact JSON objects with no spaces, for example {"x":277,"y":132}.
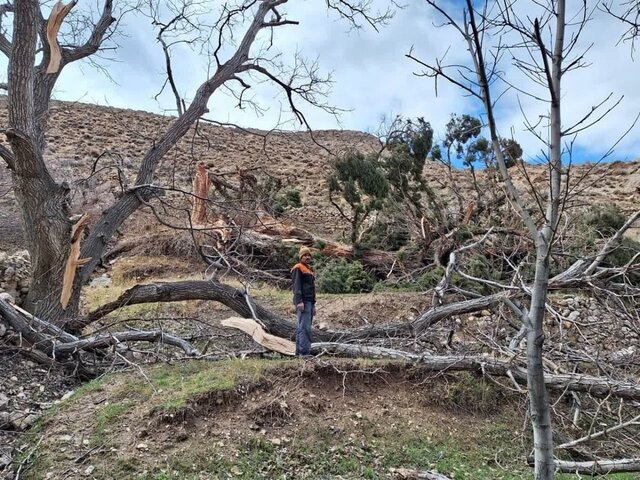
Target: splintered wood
{"x":58,"y":13}
{"x":74,"y":260}
{"x":251,"y":327}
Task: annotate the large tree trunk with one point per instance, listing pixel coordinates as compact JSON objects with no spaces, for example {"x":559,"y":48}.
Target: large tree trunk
{"x":43,"y":203}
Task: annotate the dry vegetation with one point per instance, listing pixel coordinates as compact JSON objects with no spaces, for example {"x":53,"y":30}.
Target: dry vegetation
{"x":83,"y":138}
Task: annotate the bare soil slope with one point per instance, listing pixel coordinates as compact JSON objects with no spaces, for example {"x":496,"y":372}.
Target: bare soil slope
{"x":282,"y":419}
{"x":85,"y":138}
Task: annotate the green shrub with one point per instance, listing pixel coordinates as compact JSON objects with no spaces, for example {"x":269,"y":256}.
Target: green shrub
{"x":290,"y":198}
{"x":430,"y":279}
{"x":343,"y":276}
{"x":601,"y":220}
{"x":592,"y":228}
{"x":388,"y":233}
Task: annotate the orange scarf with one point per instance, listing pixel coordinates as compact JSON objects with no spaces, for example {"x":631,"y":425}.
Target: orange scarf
{"x":303,"y":268}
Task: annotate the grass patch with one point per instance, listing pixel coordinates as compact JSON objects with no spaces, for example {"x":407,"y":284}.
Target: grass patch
{"x":109,"y":414}
{"x":177,"y":384}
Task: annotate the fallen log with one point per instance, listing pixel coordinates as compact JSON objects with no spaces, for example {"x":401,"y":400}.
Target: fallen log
{"x":411,"y":474}
{"x":595,"y":386}
{"x":484,"y":365}
{"x":237,"y":299}
{"x":597,"y":467}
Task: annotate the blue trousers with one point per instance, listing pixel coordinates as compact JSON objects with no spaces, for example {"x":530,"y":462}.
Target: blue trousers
{"x":303,"y":332}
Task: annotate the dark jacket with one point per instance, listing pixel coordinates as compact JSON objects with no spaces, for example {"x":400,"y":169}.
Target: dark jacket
{"x":304,"y":284}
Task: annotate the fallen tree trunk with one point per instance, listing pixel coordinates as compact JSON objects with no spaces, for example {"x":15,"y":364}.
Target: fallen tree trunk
{"x":238,"y":301}
{"x":269,"y":236}
{"x":598,"y":467}
{"x":57,"y":345}
{"x":595,"y":386}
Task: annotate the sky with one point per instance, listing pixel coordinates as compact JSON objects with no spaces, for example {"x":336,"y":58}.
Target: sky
{"x":373,"y":80}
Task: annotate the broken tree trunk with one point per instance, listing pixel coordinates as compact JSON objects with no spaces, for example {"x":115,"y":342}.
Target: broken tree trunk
{"x":268,"y":234}
{"x":58,"y":13}
{"x":485,"y":365}
{"x":74,"y":260}
{"x":237,"y":300}
{"x":201,"y":185}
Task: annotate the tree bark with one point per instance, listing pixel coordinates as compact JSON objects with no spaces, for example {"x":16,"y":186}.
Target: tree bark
{"x":237,"y":300}
{"x":599,"y":467}
{"x":44,"y":204}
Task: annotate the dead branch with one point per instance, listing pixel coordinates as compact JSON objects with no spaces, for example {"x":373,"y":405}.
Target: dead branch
{"x":601,"y":433}
{"x":274,"y":324}
{"x":599,"y":467}
{"x":105,"y":340}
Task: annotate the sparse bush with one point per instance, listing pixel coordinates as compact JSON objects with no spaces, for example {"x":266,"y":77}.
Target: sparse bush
{"x":343,"y":276}
{"x":475,"y":395}
{"x":290,"y":198}
{"x":602,"y":220}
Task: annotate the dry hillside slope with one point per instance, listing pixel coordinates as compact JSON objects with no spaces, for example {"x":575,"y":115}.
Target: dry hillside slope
{"x":84,"y":137}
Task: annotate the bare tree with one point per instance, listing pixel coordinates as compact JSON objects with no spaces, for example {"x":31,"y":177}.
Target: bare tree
{"x":544,"y":50}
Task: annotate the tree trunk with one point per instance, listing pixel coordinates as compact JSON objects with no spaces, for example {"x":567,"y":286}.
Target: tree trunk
{"x":538,"y":398}
{"x":44,"y":204}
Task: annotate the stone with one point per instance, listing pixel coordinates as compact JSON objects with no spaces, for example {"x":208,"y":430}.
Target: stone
{"x":89,"y":470}
{"x":574,"y":316}
{"x":67,"y":395}
{"x":5,"y":419}
{"x":5,"y":459}
{"x":3,"y":330}
{"x":21,"y":421}
{"x":4,"y":402}
{"x":102,"y":281}
{"x":7,"y":297}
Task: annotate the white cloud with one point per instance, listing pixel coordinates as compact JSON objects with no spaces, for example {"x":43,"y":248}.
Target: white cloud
{"x":372,"y":76}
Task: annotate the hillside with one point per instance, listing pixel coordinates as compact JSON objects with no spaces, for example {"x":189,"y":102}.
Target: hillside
{"x":84,"y":137}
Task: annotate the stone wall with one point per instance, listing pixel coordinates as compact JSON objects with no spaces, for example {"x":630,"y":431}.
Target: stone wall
{"x":15,"y":269}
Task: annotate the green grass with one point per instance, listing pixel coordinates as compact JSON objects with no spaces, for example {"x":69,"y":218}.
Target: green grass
{"x":109,"y":414}
{"x":177,"y":384}
{"x":489,"y":450}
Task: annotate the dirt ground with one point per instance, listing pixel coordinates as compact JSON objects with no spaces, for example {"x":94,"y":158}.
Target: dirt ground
{"x":352,"y":408}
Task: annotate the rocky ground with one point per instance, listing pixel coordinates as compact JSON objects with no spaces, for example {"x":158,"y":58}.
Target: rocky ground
{"x":27,"y":389}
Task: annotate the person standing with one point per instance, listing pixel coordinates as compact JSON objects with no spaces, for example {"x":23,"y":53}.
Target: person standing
{"x":304,"y":299}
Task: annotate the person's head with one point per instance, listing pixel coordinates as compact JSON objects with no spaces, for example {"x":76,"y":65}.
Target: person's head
{"x":305,"y":255}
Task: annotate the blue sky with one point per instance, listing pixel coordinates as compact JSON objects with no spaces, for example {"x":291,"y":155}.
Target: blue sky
{"x":372,"y":77}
